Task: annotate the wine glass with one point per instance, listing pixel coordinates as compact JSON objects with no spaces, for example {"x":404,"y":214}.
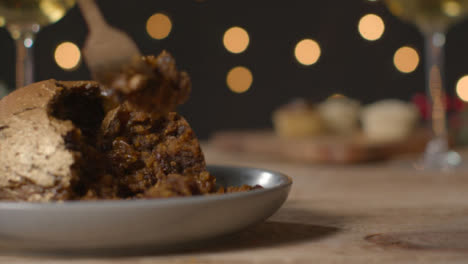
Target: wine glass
{"x":433,"y":17}
{"x":23,"y":19}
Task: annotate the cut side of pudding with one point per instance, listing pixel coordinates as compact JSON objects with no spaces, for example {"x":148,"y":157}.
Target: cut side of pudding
{"x":78,"y":141}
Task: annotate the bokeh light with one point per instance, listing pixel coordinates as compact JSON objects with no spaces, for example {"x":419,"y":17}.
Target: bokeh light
{"x":452,"y":8}
{"x":371,"y":27}
{"x":28,"y":42}
{"x":2,"y":21}
{"x":406,"y":59}
{"x":236,"y":39}
{"x":158,"y":26}
{"x":239,"y":79}
{"x":15,"y":33}
{"x":307,"y":51}
{"x":462,"y":88}
{"x":67,"y":56}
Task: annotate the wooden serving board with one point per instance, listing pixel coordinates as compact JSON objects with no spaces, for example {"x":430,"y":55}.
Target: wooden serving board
{"x":320,"y":149}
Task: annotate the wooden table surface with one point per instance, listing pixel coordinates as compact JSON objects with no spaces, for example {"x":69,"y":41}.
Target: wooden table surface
{"x":408,"y":216}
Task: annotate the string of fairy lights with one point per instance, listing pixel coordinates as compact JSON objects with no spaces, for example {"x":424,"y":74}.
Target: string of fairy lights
{"x":236,"y":40}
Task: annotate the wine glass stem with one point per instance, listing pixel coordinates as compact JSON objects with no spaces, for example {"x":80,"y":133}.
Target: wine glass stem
{"x":434,"y":48}
{"x":437,"y":154}
{"x":24,"y":59}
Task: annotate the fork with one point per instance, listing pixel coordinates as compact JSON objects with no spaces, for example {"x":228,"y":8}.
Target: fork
{"x":107,"y":50}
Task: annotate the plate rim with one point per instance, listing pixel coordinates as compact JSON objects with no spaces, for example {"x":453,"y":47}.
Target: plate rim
{"x":155,"y":202}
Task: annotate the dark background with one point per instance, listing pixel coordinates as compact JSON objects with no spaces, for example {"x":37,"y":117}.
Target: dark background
{"x":349,"y":64}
